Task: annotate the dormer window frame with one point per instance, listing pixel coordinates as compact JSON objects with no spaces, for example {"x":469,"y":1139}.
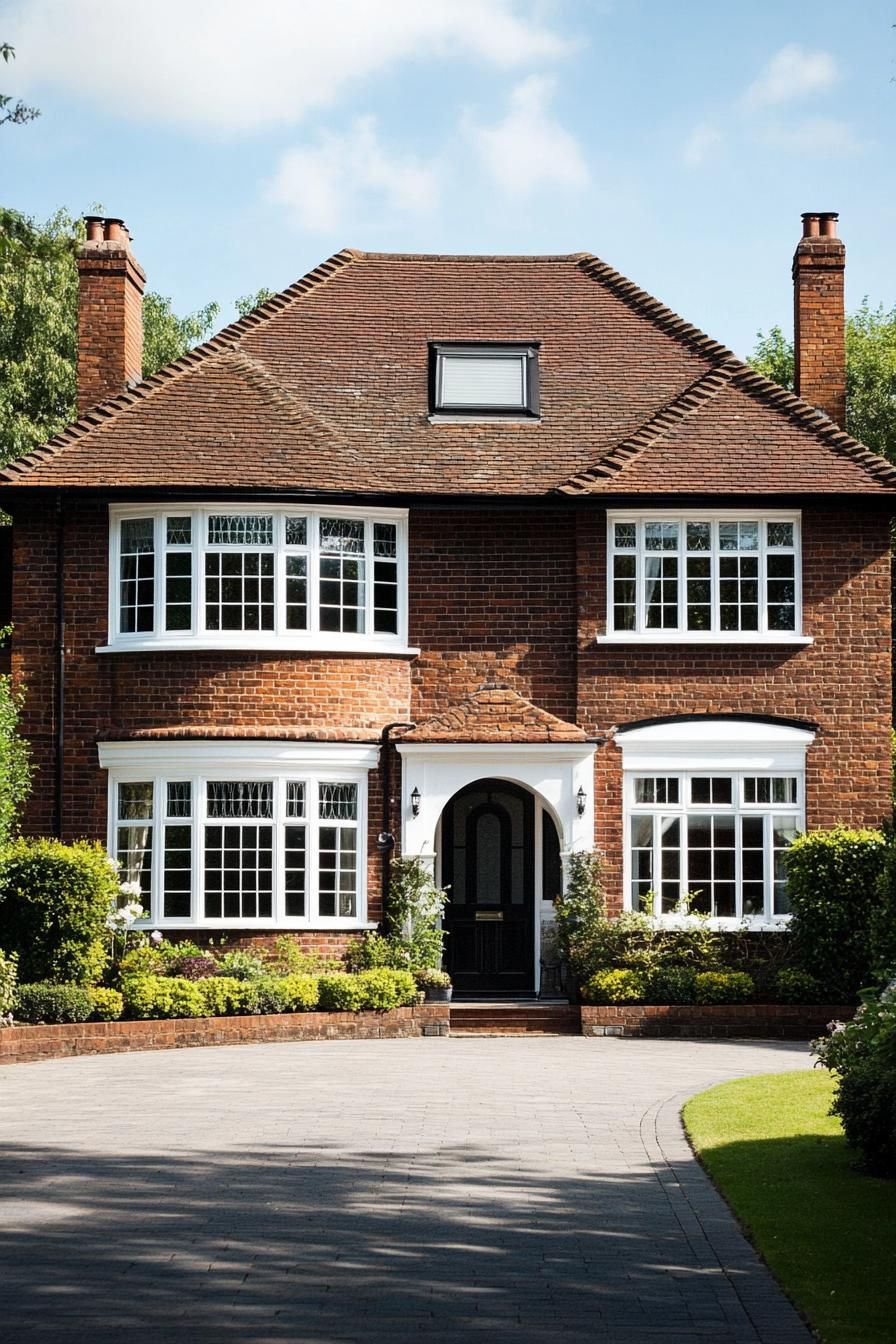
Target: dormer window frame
{"x":526,"y":352}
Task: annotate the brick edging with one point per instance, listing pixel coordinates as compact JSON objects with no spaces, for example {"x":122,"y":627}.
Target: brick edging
{"x":20,"y":1045}
{"x":793,"y":1021}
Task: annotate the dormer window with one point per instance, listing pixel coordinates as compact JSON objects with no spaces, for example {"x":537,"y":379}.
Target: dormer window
{"x":484,"y":380}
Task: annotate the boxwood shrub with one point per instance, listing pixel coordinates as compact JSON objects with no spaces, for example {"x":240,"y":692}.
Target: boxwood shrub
{"x":54,"y":900}
{"x":383,"y":989}
{"x":616,"y":986}
{"x":108,"y":1004}
{"x":9,"y":975}
{"x":723,"y":987}
{"x":340,"y":992}
{"x":53,"y":1003}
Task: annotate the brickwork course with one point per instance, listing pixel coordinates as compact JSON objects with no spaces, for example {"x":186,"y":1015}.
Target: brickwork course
{"x":323,"y":390}
{"x":339,"y":1191}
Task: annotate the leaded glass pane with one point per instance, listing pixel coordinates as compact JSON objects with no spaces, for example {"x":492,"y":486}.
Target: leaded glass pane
{"x":179,"y":530}
{"x":239,"y":798}
{"x":240,"y":529}
{"x":296,"y":531}
{"x":180,"y":799}
{"x":779,"y":534}
{"x":385,"y":540}
{"x":625,"y":536}
{"x":661,"y":536}
{"x":295,"y":799}
{"x":338,"y":802}
{"x":135,"y":802}
{"x":342,"y":534}
{"x":699,"y":536}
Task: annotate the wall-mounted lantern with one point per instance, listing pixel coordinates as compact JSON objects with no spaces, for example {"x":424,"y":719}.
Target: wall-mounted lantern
{"x":415,"y":802}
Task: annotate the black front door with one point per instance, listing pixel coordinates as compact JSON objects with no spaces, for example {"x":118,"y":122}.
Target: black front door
{"x":488,"y":868}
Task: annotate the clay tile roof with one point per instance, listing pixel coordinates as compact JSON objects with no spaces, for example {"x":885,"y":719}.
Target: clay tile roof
{"x":495,"y":714}
{"x":323,"y":388}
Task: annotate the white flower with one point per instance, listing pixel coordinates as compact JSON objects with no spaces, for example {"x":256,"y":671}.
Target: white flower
{"x":157,"y":936}
{"x":131,"y":889}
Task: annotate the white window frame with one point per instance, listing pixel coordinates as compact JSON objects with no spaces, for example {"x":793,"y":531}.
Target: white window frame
{"x":198,"y":762}
{"x":681,"y":635}
{"x":738,"y":748}
{"x":198,"y":637}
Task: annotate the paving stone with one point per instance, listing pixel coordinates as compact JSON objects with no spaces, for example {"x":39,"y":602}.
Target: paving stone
{"x":516,"y":1188}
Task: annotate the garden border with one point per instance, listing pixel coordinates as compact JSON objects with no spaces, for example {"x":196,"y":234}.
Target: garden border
{"x":28,"y":1044}
{"x":784,"y":1021}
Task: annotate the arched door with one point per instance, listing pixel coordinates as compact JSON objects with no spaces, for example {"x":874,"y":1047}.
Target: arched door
{"x":488,"y":866}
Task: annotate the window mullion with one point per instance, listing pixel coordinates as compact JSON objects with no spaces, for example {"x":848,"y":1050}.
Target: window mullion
{"x":763,"y":578}
{"x":640,"y":580}
{"x":279,"y":575}
{"x":312,"y":808}
{"x":314,"y":574}
{"x":160,"y":569}
{"x":278,"y":857}
{"x":201,"y":546}
{"x":199,"y":816}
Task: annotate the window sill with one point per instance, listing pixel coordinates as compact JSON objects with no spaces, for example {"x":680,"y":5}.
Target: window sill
{"x":778,"y":924}
{"x":200,"y":644}
{"x":679,"y":637}
{"x":257,"y":925}
{"x":473,"y":418}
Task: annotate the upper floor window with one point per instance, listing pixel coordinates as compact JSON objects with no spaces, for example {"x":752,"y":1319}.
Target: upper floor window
{"x":727,"y":576}
{"x":484,"y":380}
{"x":249,"y":577}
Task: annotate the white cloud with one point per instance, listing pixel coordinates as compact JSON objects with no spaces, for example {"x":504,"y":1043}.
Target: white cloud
{"x":529,"y":149}
{"x":226,"y":65}
{"x":822,"y":136}
{"x":323,"y":183}
{"x":702,"y":143}
{"x":793,"y":72}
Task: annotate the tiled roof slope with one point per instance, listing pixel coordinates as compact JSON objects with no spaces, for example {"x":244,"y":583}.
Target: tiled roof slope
{"x":495,"y":714}
{"x":325,"y":388}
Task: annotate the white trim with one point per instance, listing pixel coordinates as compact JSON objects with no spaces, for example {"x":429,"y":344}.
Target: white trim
{"x":311,"y":762}
{"x":313,"y":639}
{"x":680,"y":634}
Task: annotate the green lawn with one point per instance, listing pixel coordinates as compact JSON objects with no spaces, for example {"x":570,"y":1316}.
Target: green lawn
{"x":827,"y":1232}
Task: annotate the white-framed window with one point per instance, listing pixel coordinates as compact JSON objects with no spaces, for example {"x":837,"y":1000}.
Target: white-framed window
{"x":484,"y":379}
{"x":248,"y":835}
{"x":257,"y":576}
{"x":731,"y":576}
{"x":710,"y":807}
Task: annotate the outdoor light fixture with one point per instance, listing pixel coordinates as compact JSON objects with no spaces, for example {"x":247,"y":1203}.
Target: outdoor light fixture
{"x":580,"y":802}
{"x":415,"y":802}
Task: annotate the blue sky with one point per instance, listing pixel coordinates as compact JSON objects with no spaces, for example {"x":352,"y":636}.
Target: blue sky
{"x":677,"y":139}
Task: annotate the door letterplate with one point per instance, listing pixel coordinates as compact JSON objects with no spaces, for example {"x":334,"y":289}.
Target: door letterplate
{"x":489,"y":914}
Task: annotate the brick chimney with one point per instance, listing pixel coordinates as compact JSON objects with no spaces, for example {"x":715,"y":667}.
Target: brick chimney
{"x":110,"y":313}
{"x":818,"y":320}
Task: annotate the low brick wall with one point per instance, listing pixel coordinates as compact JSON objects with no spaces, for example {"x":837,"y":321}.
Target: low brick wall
{"x":788,"y":1021}
{"x":19,"y":1045}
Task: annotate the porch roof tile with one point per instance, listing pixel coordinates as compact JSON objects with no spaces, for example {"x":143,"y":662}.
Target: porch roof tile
{"x":495,"y":713}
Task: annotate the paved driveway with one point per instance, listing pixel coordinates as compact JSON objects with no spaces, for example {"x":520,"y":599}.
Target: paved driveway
{"x":489,"y":1191}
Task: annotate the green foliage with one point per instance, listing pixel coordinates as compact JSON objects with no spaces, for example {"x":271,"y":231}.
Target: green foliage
{"x":243,"y":965}
{"x":246,"y":303}
{"x":382,"y":989}
{"x":862,"y":1054}
{"x":870,"y":373}
{"x":340,"y":993}
{"x":882,"y":920}
{"x":152,"y":996}
{"x":723,"y":987}
{"x":293,"y":959}
{"x":432,"y":979}
{"x":580,"y":915}
{"x":414,"y":908}
{"x":619,"y":986}
{"x":13,"y":112}
{"x":220,"y":995}
{"x":300,"y":993}
{"x":166,"y":336}
{"x":9,"y":976}
{"x":832,"y":880}
{"x":372,"y":950}
{"x":15,"y":754}
{"x":671,"y":984}
{"x":795,"y":986}
{"x":54,"y":900}
{"x":108,"y":1004}
{"x":53,"y":1003}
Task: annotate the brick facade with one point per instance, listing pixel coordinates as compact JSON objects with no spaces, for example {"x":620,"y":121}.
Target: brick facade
{"x":110,"y":320}
{"x":818,"y":317}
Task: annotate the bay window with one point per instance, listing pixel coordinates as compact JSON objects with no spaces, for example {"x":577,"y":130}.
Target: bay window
{"x":238,"y":578}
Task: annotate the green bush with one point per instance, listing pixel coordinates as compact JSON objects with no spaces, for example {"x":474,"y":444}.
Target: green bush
{"x":52,"y":1003}
{"x":882,"y":924}
{"x":863,"y":1055}
{"x":414,"y":909}
{"x":152,"y":996}
{"x":619,"y":986}
{"x":723,"y":987}
{"x":293,"y":959}
{"x":382,"y":989}
{"x":54,"y":900}
{"x":580,"y":916}
{"x":795,"y":986}
{"x":108,"y":1004}
{"x":833,"y":881}
{"x":220,"y":995}
{"x":340,"y":993}
{"x":671,"y":984}
{"x":243,"y":965}
{"x":372,"y":951}
{"x":15,"y":755}
{"x":300,"y":992}
{"x":9,"y":976}
{"x":264,"y":995}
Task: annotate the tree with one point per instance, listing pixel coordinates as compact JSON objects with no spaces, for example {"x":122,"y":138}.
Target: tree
{"x":870,"y":373}
{"x":38,"y":329}
{"x":15,"y":756}
{"x":16,"y":113}
{"x":247,"y":302}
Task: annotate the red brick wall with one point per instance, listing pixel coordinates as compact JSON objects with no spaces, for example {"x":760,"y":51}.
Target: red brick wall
{"x":110,"y":322}
{"x":818,"y":324}
{"x":513,"y":595}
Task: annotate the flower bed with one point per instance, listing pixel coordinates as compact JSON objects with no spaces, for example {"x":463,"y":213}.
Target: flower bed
{"x":20,"y":1045}
{"x":788,"y":1021}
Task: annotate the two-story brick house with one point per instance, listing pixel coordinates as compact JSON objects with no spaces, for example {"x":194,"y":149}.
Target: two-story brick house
{"x":629,"y":593}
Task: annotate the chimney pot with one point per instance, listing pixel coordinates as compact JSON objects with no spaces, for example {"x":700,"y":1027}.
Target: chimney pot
{"x":829,"y":224}
{"x":115,"y":230}
{"x":94,"y":228}
{"x":810,"y":226}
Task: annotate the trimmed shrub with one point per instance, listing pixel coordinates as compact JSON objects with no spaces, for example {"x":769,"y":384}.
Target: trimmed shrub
{"x":832,"y":880}
{"x":108,"y":1004}
{"x":265,"y":995}
{"x":863,"y":1055}
{"x":242,"y":966}
{"x":671,"y":984}
{"x":220,"y":995}
{"x":383,"y":989}
{"x":300,"y":992}
{"x":723,"y":987}
{"x":794,"y":986}
{"x":194,"y":968}
{"x":9,"y":976}
{"x":340,"y":993}
{"x":882,"y":924}
{"x":619,"y":986}
{"x":54,"y":900}
{"x":151,"y":996}
{"x":52,"y":1003}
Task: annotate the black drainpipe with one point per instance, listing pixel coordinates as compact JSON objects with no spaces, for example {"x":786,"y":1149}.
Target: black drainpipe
{"x":60,"y":667}
{"x":386,"y":840}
